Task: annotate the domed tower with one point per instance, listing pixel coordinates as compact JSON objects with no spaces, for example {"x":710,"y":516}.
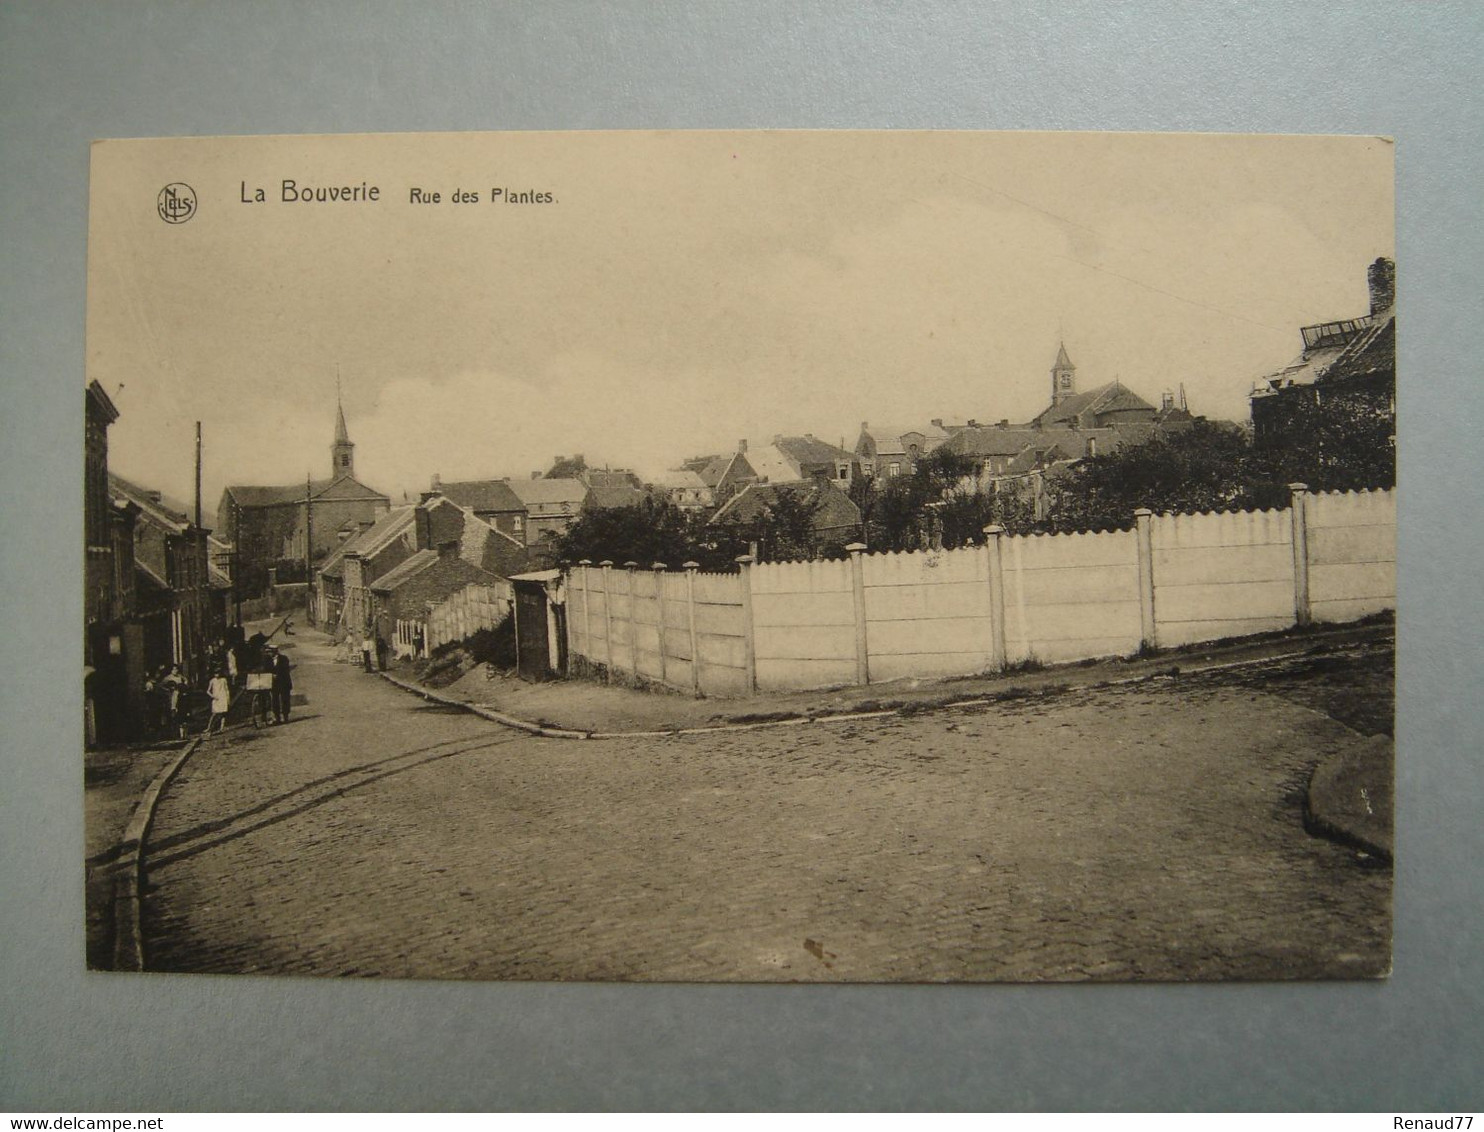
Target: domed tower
{"x":342,"y":451}
{"x":1063,"y":377}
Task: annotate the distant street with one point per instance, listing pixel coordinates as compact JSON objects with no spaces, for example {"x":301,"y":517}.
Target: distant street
{"x":1102,"y":834}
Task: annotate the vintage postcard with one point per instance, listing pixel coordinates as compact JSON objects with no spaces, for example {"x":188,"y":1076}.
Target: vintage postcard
{"x":741,"y":556}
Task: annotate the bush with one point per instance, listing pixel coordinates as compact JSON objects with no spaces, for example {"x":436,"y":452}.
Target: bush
{"x":494,"y":646}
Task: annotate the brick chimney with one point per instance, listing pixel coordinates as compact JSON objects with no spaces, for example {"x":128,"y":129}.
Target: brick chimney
{"x":742,"y":445}
{"x":437,"y":484}
{"x":1382,"y":278}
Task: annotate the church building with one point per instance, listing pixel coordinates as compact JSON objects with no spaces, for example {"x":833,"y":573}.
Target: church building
{"x":1106,"y":406}
{"x":273,"y":530}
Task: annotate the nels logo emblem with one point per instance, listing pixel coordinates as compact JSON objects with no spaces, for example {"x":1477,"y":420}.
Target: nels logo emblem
{"x":177,"y":203}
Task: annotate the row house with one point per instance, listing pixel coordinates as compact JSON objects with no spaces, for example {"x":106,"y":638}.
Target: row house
{"x":888,"y":451}
{"x":794,"y":459}
{"x":352,"y":585}
{"x":341,"y":584}
{"x":182,"y":596}
{"x":686,"y":490}
{"x":527,"y":511}
{"x":455,"y":550}
{"x":113,"y":670}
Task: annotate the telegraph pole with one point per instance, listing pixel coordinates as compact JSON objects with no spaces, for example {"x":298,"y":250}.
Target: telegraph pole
{"x":198,"y":475}
{"x":308,"y":548}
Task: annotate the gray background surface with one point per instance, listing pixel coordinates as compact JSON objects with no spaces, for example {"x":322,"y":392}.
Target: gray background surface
{"x":69,"y":73}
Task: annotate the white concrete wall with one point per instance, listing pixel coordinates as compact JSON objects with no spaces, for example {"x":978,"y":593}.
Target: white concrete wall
{"x":720,"y":632}
{"x":803,"y":616}
{"x":931,"y":613}
{"x":927,"y":613}
{"x":1222,"y":574}
{"x":1071,"y":597}
{"x":1352,"y":554}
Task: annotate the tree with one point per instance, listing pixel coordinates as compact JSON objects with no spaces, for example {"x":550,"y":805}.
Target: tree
{"x":654,"y":531}
{"x":900,"y":511}
{"x":1339,"y":437}
{"x":1205,"y":468}
{"x":567,"y":468}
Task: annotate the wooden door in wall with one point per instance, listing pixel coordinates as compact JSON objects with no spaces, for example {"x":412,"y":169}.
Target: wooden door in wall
{"x":533,"y":655}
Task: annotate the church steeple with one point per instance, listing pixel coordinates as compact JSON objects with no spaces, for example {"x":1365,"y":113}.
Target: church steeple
{"x":1063,"y":377}
{"x":342,"y":451}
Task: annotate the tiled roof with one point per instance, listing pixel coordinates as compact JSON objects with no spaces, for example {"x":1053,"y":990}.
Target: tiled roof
{"x":388,"y":527}
{"x":150,"y":503}
{"x":681,"y":479}
{"x":614,"y":495}
{"x":386,"y":530}
{"x":1372,"y":353}
{"x":1112,"y":397}
{"x":811,"y":450}
{"x":482,"y":495}
{"x":611,"y":477}
{"x":1368,"y":347}
{"x":405,"y":570}
{"x":836,"y":509}
{"x":534,"y":492}
{"x":982,"y":442}
{"x":989,"y":441}
{"x":733,"y":464}
{"x":247,"y":495}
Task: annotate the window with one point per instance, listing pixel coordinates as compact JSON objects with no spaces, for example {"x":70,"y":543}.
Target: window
{"x":894,"y":468}
{"x":519,"y":524}
{"x":345,"y":461}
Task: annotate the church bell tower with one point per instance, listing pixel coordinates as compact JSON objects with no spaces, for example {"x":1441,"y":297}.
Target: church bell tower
{"x":342,"y":451}
{"x":1063,"y":377}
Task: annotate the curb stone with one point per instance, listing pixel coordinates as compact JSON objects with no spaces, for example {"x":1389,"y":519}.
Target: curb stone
{"x":128,"y":935}
{"x":549,"y":732}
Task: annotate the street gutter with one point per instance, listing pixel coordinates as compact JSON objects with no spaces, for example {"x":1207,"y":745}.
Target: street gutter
{"x":128,"y":884}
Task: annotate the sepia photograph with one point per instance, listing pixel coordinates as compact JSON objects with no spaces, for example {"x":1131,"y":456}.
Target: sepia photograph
{"x":741,"y":556}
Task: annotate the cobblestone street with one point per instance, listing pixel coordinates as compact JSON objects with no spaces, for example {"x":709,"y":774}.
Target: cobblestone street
{"x":1151,"y":832}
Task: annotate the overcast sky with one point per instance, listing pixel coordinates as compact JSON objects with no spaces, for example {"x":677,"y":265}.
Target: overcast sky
{"x":685,"y":290}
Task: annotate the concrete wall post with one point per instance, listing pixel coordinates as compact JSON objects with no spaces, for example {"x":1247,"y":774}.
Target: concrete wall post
{"x":607,"y":567}
{"x":749,"y":645}
{"x":659,"y":605}
{"x":858,"y":598}
{"x":633,"y":569}
{"x":1144,"y":539}
{"x":690,"y":601}
{"x":587,"y":603}
{"x":997,"y":654}
{"x":1299,"y":511}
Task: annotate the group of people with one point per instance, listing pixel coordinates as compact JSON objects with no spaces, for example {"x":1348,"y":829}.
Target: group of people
{"x":374,"y":652}
{"x":231,"y":663}
{"x":163,"y":695}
